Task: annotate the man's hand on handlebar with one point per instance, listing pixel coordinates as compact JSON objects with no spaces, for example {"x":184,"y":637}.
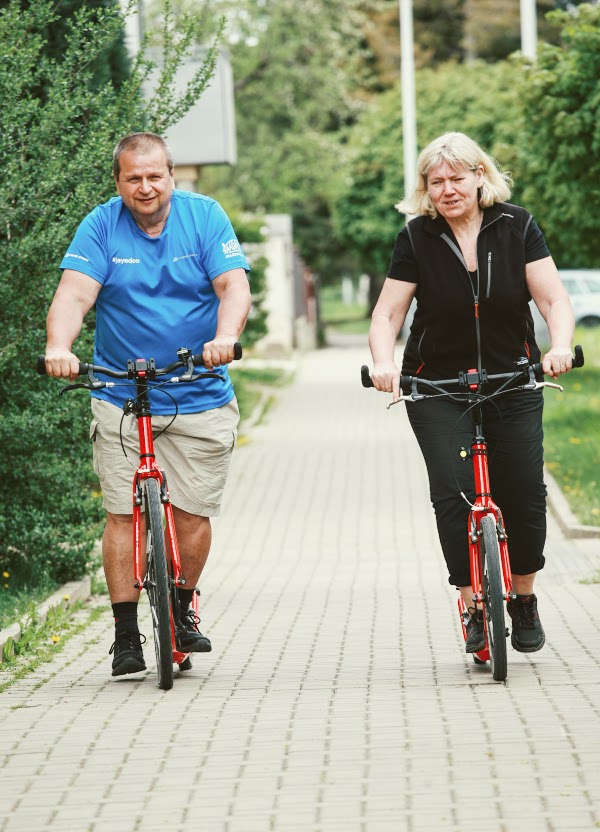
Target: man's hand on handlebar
{"x":219,"y":351}
{"x":61,"y":363}
{"x":557,"y":360}
{"x":386,"y":378}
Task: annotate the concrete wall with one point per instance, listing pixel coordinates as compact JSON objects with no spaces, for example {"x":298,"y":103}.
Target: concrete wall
{"x":289,"y":301}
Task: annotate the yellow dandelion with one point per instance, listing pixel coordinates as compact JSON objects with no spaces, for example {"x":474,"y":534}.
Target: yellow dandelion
{"x":575,"y":440}
{"x":66,"y":597}
{"x":55,"y":639}
{"x":6,"y":575}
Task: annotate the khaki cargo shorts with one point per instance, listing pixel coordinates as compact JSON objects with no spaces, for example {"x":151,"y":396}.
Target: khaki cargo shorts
{"x":194,"y":452}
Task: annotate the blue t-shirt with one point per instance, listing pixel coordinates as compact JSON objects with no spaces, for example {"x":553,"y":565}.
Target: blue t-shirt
{"x":157,"y":293}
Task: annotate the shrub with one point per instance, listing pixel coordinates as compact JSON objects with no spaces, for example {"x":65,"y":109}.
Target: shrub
{"x":59,"y":121}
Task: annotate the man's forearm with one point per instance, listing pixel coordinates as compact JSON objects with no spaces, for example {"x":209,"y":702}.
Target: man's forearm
{"x":63,"y":324}
{"x":234,"y":308}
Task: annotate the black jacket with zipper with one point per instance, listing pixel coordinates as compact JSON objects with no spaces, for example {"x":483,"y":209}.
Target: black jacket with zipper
{"x":443,"y":337}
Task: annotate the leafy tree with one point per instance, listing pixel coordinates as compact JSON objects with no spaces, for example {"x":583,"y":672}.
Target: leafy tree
{"x":493,"y":27}
{"x":451,"y":97}
{"x":558,"y":153}
{"x":59,"y":122}
{"x":112,"y":64}
{"x":296,"y":72}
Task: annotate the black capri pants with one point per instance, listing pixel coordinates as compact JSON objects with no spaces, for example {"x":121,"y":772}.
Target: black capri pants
{"x":512,"y":425}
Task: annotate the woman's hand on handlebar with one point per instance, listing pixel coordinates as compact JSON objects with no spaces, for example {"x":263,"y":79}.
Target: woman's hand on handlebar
{"x":386,"y":378}
{"x":557,"y":360}
{"x":61,"y":363}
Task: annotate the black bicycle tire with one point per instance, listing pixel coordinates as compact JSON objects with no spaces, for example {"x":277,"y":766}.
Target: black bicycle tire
{"x":157,"y":584}
{"x":493,"y":598}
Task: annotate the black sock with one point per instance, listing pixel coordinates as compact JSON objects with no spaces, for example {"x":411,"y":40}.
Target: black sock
{"x":185,"y":599}
{"x":125,"y":613}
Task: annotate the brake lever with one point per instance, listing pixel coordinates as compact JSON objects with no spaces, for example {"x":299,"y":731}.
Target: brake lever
{"x":79,"y":386}
{"x":398,"y":401}
{"x":92,"y":384}
{"x":186,"y":377}
{"x":539,"y":384}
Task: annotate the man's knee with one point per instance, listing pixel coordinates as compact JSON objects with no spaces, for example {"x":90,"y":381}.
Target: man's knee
{"x":186,"y":519}
{"x":118,"y":520}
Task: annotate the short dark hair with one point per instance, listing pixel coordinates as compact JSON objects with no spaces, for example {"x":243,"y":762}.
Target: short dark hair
{"x":142,"y":142}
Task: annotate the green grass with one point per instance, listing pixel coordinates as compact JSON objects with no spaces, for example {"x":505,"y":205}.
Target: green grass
{"x":335,"y":314}
{"x":253,"y":386}
{"x":41,"y":641}
{"x":572,"y":432}
{"x":15,"y":599}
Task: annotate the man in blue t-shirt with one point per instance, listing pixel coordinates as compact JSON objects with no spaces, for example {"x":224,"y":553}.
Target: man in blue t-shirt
{"x":163,"y":269}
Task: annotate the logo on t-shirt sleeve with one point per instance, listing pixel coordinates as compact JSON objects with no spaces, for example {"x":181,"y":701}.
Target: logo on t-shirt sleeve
{"x":231,"y":248}
{"x":77,"y":256}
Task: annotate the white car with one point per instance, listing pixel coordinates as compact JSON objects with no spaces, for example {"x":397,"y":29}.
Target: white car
{"x":583,"y":286}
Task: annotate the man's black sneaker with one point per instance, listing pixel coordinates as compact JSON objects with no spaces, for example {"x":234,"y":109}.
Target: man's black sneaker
{"x":189,"y":637}
{"x":475,"y":634}
{"x":527,"y":631}
{"x":128,"y":657}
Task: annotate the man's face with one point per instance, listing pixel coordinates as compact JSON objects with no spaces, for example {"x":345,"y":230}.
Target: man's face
{"x":145,"y":185}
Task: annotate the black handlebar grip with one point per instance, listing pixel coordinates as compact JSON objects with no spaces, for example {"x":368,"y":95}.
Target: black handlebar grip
{"x":237,"y":354}
{"x":41,"y":367}
{"x":365,"y":376}
{"x":578,"y":359}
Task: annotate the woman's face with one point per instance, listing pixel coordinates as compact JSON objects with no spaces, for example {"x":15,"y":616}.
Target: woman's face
{"x":454,"y":192}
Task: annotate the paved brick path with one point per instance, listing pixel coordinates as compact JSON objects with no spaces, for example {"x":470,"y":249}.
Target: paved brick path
{"x":337,"y":696}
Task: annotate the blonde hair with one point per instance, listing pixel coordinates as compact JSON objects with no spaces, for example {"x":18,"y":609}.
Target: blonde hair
{"x":460,"y":152}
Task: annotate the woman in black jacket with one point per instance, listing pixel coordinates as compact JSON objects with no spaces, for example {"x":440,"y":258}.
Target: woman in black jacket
{"x":473,"y":262}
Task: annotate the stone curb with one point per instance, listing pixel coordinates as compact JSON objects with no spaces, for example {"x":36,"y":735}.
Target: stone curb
{"x":561,"y":510}
{"x":69,"y":593}
{"x":289,"y":365}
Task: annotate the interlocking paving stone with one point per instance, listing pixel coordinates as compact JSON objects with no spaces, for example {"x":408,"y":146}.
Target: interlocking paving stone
{"x":338,"y":695}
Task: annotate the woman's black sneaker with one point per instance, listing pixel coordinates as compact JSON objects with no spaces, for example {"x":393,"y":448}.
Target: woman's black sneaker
{"x":189,"y":637}
{"x":128,"y":656}
{"x":475,"y":634}
{"x":527,"y":632}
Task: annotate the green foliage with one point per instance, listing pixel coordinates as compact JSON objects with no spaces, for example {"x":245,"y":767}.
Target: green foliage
{"x":542,"y":122}
{"x":297,"y":72}
{"x":439,"y":28}
{"x":59,"y":122}
{"x":572,"y":436}
{"x":558,"y":154}
{"x":112,"y":64}
{"x":464,"y":97}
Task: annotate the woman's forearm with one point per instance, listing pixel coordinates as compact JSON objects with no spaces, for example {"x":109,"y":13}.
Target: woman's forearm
{"x":382,"y":339}
{"x":561,"y":322}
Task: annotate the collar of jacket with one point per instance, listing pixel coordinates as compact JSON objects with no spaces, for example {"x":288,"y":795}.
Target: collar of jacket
{"x":439,"y":226}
